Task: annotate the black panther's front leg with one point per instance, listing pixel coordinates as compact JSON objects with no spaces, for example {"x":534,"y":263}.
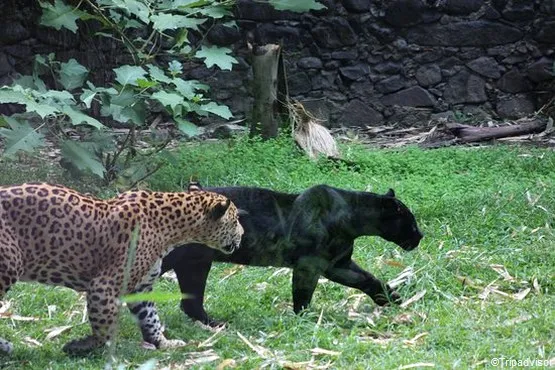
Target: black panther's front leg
{"x":351,"y":275}
{"x":192,"y":264}
{"x":306,"y":273}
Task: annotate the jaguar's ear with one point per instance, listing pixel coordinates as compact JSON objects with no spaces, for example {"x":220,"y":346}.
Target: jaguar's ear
{"x":242,"y":212}
{"x":194,"y":186}
{"x":390,"y":193}
{"x":219,"y":210}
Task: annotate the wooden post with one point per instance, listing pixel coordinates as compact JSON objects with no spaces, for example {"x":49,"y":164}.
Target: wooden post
{"x":265,"y":68}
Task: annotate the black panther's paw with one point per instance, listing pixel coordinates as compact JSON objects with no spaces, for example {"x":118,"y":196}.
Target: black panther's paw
{"x":385,"y":298}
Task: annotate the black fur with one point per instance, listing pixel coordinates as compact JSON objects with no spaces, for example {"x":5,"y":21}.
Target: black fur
{"x":312,"y":232}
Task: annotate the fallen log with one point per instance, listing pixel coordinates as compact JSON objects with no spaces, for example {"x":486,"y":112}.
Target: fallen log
{"x":470,"y":134}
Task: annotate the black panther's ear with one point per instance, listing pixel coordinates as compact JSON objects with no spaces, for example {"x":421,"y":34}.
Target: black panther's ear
{"x":194,"y":186}
{"x":390,"y":193}
{"x":219,"y":210}
{"x":242,"y":212}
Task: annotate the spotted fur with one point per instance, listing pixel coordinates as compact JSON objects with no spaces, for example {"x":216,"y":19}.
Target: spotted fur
{"x":55,"y":235}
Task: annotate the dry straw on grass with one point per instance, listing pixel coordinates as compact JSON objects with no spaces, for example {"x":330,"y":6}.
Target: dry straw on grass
{"x":311,"y":136}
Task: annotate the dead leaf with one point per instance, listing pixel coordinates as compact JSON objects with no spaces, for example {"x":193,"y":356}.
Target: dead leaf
{"x":54,"y":332}
{"x":228,"y":362}
{"x":502,"y":270}
{"x":280,"y":271}
{"x":212,"y":340}
{"x":536,"y":286}
{"x":517,"y":320}
{"x":51,"y":309}
{"x":521,"y":295}
{"x":353,"y":315}
{"x":322,"y":351}
{"x":394,"y":263}
{"x":197,"y":358}
{"x":402,"y":278}
{"x":261,"y":351}
{"x":8,"y":315}
{"x":260,"y":287}
{"x":404,"y":318}
{"x":418,"y":364}
{"x":295,"y":365}
{"x":232,"y":271}
{"x":414,"y":341}
{"x":32,"y":342}
{"x":413,"y":299}
{"x":5,"y":306}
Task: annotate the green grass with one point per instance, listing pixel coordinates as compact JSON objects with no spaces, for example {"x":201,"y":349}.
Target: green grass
{"x":478,"y":207}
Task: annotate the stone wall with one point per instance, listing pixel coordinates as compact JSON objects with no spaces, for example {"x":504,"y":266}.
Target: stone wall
{"x":358,"y":62}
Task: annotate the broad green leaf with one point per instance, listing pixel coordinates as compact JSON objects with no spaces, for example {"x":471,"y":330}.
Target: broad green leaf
{"x":166,"y":21}
{"x":156,"y":73}
{"x":72,"y":74}
{"x":20,"y":136}
{"x":158,"y":297}
{"x":298,"y":6}
{"x":77,"y":117}
{"x":175,"y":67}
{"x":59,"y":96}
{"x":215,"y":12}
{"x":168,"y":99}
{"x":134,"y":7}
{"x":188,"y":88}
{"x":188,"y":128}
{"x":59,"y":15}
{"x":18,"y":95}
{"x":181,"y":38}
{"x":189,"y":3}
{"x":215,"y":55}
{"x":129,"y":74}
{"x":82,"y":158}
{"x":146,"y":84}
{"x":219,"y":110}
{"x":87,"y":97}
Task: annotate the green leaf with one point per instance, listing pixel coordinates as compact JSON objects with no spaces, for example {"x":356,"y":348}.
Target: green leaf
{"x":134,"y":7}
{"x":72,"y":74}
{"x":82,"y":158}
{"x":189,"y":3}
{"x":20,"y":136}
{"x":146,"y":84}
{"x":166,"y":21}
{"x":188,"y":88}
{"x":298,"y":6}
{"x":18,"y":95}
{"x":175,"y":67}
{"x":215,"y":12}
{"x":157,"y":74}
{"x":77,"y":117}
{"x":129,"y":74}
{"x":59,"y":15}
{"x":188,"y":128}
{"x":58,"y":96}
{"x":219,"y":110}
{"x":168,"y":99}
{"x":215,"y":55}
{"x":158,"y":297}
{"x":87,"y":97}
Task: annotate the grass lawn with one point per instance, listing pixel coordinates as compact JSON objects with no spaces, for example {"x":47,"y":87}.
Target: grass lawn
{"x":486,"y":269}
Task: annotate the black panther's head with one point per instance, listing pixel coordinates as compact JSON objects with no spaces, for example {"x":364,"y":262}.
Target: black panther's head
{"x":396,"y":223}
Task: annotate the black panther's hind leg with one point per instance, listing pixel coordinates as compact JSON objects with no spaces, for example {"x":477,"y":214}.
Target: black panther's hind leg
{"x":353,"y":276}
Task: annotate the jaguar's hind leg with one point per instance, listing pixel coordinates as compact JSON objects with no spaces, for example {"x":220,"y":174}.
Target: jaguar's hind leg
{"x":102,"y":306}
{"x":10,"y":271}
{"x":147,"y":315}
